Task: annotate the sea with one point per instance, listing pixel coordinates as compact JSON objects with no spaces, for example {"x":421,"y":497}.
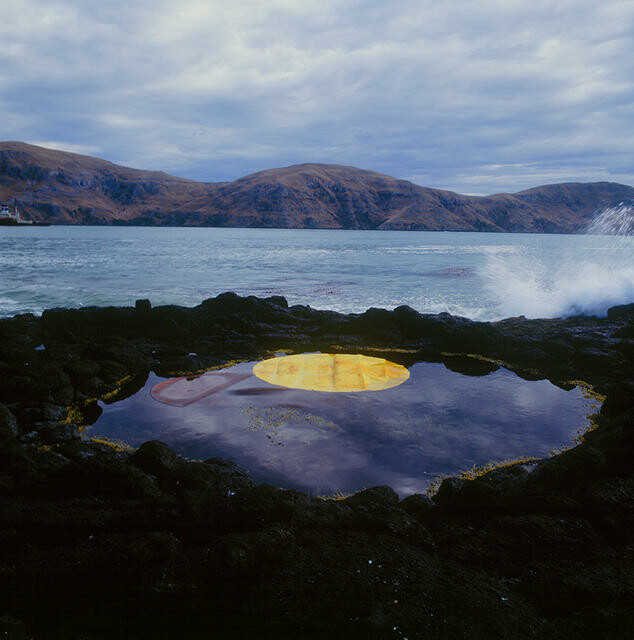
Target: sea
{"x":483,"y":276}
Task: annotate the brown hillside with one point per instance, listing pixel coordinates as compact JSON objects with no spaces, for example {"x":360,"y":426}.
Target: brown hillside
{"x":68,"y":188}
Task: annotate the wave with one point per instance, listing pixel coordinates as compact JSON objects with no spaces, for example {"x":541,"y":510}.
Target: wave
{"x":584,"y":280}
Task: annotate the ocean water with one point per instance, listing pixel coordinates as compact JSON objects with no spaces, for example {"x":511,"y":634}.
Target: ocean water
{"x":483,"y":276}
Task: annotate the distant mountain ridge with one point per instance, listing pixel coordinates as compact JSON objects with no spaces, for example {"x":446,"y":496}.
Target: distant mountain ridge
{"x":67,"y":188}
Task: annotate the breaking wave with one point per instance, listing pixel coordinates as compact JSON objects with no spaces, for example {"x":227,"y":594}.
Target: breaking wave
{"x":597,"y":272}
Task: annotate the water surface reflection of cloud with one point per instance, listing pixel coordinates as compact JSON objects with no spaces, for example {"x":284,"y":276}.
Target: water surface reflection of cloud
{"x":438,"y":421}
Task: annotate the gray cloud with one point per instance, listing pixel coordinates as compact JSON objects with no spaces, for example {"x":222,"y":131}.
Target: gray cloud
{"x":477,"y":97}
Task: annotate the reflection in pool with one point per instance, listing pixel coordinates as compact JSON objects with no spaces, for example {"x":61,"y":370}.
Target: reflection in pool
{"x":437,"y":422}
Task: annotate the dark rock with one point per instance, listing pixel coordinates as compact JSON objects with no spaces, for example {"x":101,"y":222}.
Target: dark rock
{"x":372,"y":499}
{"x":500,"y":487}
{"x":320,"y":513}
{"x":279,"y":301}
{"x":598,"y":361}
{"x":569,"y":469}
{"x":87,"y":530}
{"x":48,"y":462}
{"x":8,"y":424}
{"x":143,"y":306}
{"x":41,"y":412}
{"x":473,"y":337}
{"x":55,"y":432}
{"x":13,"y":628}
{"x":417,"y":505}
{"x":156,"y":458}
{"x":107,"y":476}
{"x":257,"y":506}
{"x":558,"y":347}
{"x":620,"y":398}
{"x":621,"y":311}
{"x":79,"y":450}
{"x":224,"y":463}
{"x":450,"y":492}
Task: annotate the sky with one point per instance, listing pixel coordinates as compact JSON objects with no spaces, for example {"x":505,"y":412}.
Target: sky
{"x":478,"y":97}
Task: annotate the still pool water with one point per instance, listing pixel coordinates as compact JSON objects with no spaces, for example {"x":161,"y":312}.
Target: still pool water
{"x":437,"y":422}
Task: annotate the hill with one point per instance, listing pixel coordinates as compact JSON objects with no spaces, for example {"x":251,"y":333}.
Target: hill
{"x":68,"y":188}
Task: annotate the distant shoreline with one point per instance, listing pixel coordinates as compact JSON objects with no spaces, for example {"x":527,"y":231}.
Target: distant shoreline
{"x":60,"y":187}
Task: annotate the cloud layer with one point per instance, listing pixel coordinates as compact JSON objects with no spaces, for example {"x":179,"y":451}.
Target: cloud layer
{"x":475,"y":96}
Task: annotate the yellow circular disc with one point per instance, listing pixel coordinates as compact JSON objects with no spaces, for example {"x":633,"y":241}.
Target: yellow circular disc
{"x":331,"y":372}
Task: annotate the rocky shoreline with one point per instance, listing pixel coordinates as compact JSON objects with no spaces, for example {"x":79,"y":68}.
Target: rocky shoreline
{"x":101,"y":542}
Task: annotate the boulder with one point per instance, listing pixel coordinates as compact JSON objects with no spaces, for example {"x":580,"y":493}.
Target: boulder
{"x":156,"y":458}
{"x":375,"y":498}
{"x":417,"y":505}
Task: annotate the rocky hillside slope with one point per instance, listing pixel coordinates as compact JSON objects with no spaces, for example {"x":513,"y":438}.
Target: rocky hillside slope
{"x":67,"y":188}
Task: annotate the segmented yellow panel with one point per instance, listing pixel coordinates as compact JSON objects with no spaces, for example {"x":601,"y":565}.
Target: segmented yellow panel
{"x":331,"y":372}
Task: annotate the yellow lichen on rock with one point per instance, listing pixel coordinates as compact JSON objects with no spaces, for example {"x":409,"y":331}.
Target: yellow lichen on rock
{"x":341,"y":372}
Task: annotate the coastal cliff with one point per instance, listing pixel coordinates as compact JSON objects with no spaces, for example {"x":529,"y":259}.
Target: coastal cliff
{"x":100,"y":541}
{"x":66,"y":188}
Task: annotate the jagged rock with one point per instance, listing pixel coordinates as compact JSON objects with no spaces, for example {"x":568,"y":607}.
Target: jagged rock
{"x":373,"y":499}
{"x":501,"y":487}
{"x":156,"y":458}
{"x":417,"y":505}
{"x":143,"y":306}
{"x":621,"y":312}
{"x":8,"y":424}
{"x":54,"y":432}
{"x":13,"y":628}
{"x":106,"y":475}
{"x":620,"y":398}
{"x":87,"y":530}
{"x":41,"y":412}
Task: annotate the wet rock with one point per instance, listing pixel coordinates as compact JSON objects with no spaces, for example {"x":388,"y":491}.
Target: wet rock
{"x":48,"y":461}
{"x":41,"y":412}
{"x":473,"y":337}
{"x":143,"y":306}
{"x":567,"y":470}
{"x":417,"y":505}
{"x":258,"y":506}
{"x":375,"y":510}
{"x":79,"y":450}
{"x":107,"y":476}
{"x":372,"y":499}
{"x":55,"y":432}
{"x":8,"y":424}
{"x":76,"y":514}
{"x":620,"y":398}
{"x":450,"y":492}
{"x":12,"y":628}
{"x":226,"y":465}
{"x":156,"y":458}
{"x":320,"y":513}
{"x":497,"y":488}
{"x":621,"y":312}
{"x":558,"y":347}
{"x":598,"y":361}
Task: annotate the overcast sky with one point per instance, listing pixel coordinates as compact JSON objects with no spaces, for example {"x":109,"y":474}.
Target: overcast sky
{"x":475,"y":96}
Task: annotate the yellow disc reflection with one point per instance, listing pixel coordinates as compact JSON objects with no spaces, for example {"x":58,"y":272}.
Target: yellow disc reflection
{"x":331,"y":372}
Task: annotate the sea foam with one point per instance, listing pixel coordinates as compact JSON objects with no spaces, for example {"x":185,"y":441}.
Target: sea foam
{"x":585,"y":279}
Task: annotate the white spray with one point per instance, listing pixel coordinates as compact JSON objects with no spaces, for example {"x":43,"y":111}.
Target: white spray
{"x":597,"y":273}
